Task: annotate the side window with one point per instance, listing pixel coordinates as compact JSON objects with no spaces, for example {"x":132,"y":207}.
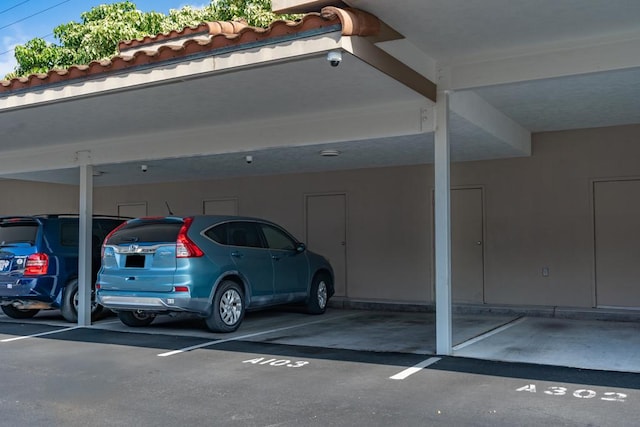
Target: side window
{"x":218,"y":234}
{"x":69,"y":234}
{"x":277,"y":239}
{"x":244,"y":234}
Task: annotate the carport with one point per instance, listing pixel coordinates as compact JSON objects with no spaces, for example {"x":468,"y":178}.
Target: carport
{"x":196,"y":105}
{"x":217,"y":89}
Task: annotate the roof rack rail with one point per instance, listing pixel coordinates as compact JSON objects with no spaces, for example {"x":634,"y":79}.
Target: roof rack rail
{"x":73,"y":215}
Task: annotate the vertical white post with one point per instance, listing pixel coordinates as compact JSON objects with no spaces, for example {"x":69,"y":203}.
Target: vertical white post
{"x":443,"y":226}
{"x":85,"y":237}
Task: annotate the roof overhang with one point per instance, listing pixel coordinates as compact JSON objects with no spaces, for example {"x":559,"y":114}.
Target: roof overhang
{"x":269,"y":91}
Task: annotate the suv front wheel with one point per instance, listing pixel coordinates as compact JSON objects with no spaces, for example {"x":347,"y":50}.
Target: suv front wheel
{"x":70,"y":301}
{"x":136,"y":319}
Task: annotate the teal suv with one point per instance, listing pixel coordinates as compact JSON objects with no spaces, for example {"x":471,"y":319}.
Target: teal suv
{"x":217,"y":267}
{"x":39,"y":263}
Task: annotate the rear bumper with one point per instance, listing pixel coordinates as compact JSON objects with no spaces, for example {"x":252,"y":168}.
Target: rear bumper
{"x":153,"y":302}
{"x":27,"y":292}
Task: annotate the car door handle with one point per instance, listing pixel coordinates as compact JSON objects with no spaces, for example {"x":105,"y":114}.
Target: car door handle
{"x":237,"y":254}
{"x":275,"y":257}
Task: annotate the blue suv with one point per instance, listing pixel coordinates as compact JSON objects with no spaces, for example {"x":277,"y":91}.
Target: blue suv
{"x":39,"y":263}
{"x":213,"y":266}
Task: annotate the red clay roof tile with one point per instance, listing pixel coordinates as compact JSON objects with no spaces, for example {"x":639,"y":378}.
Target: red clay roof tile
{"x":189,"y":41}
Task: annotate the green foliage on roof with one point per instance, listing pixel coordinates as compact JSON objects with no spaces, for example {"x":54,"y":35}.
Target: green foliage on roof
{"x":100,"y":30}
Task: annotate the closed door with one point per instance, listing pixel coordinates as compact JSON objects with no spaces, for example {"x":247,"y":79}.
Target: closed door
{"x":132,"y":210}
{"x":220,"y":207}
{"x":290,"y":267}
{"x":326,"y":234}
{"x":467,"y":265}
{"x":253,"y":260}
{"x":617,"y":243}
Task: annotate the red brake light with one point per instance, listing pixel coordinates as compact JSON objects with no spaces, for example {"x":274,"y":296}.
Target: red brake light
{"x":185,"y":247}
{"x":180,"y":289}
{"x":36,"y":265}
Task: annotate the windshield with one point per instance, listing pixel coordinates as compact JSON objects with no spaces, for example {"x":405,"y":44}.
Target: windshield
{"x":18,"y":232}
{"x":146,"y":231}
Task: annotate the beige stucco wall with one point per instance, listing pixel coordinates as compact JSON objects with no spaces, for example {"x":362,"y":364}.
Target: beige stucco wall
{"x":388,"y":237}
{"x":538,"y":213}
{"x":29,"y":198}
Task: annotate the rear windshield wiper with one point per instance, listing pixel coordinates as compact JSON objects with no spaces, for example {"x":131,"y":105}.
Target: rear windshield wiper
{"x":17,"y":243}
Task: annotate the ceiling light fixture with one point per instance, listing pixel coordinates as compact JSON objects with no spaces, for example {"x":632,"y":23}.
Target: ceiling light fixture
{"x":329,"y":153}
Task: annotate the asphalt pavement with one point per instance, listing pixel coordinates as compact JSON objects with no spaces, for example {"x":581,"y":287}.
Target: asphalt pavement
{"x":57,"y":374}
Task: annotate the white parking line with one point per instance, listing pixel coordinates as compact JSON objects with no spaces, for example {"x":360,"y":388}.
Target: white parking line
{"x":209,"y":343}
{"x":490,"y":333}
{"x":39,"y":335}
{"x":417,"y":368}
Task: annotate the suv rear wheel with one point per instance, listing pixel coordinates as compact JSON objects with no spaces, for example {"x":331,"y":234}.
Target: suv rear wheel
{"x":70,"y":300}
{"x":19,"y":313}
{"x":228,"y":308}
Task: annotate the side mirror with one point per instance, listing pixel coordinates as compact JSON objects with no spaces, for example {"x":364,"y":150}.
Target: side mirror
{"x":301,"y":248}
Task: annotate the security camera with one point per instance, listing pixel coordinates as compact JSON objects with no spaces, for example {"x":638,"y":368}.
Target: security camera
{"x":144,"y":168}
{"x":334,"y":57}
{"x":249,"y":159}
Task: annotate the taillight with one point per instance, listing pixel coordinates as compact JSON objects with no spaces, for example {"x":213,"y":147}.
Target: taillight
{"x":36,"y":265}
{"x":185,"y":247}
{"x":180,"y":289}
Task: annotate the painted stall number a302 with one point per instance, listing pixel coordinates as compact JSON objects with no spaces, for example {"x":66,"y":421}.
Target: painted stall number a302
{"x":609,"y":396}
{"x":276,"y":362}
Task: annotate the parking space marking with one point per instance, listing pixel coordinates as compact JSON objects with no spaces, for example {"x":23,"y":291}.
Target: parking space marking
{"x":24,"y":337}
{"x":490,"y":333}
{"x":210,"y":343}
{"x":106,"y":323}
{"x":416,"y":368}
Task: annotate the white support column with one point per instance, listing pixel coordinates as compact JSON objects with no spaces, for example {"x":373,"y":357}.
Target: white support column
{"x":443,"y":226}
{"x":85,"y":237}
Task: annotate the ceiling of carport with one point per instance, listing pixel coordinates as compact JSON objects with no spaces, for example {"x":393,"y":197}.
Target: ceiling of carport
{"x":471,"y":143}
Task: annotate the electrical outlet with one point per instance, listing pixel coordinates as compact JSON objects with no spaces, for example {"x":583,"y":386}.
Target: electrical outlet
{"x":545,"y":271}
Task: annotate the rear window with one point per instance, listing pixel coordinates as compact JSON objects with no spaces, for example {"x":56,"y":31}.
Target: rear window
{"x":145,"y":231}
{"x":18,"y":232}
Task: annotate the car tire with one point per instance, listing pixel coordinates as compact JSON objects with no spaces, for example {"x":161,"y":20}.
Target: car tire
{"x":228,"y":308}
{"x":318,"y":294}
{"x":136,"y":319}
{"x":19,"y":313}
{"x":69,"y":307}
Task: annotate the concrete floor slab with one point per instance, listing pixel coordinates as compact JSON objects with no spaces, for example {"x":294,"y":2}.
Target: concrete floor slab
{"x":588,"y":344}
{"x":585,"y":343}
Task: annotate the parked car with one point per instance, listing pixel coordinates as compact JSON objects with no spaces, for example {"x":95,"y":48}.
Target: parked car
{"x":39,"y":263}
{"x":214,"y":266}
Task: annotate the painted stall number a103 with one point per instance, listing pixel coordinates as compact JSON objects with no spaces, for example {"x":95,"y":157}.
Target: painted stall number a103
{"x":276,"y":362}
{"x":609,"y":396}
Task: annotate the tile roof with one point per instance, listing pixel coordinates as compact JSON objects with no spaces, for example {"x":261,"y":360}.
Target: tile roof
{"x":206,"y":37}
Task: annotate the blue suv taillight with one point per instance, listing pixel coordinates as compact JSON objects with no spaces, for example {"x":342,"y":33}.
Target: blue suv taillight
{"x":185,"y":247}
{"x":37,"y":264}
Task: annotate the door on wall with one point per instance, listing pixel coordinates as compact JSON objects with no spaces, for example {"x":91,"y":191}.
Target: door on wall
{"x":326,"y":233}
{"x":467,"y":254}
{"x":617,"y":243}
{"x":132,"y":210}
{"x":220,"y":207}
